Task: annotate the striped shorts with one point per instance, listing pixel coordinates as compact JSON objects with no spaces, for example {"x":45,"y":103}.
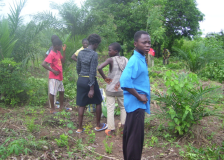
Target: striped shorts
{"x":55,"y":86}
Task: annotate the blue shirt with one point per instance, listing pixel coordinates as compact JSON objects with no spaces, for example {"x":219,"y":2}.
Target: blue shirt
{"x":135,"y":75}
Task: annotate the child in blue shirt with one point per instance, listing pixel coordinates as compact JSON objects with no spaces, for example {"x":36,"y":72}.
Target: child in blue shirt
{"x":136,"y":88}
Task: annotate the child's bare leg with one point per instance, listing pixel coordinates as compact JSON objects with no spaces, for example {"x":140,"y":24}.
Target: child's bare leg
{"x":81,"y":113}
{"x":51,"y":97}
{"x":98,"y":116}
{"x":61,"y":99}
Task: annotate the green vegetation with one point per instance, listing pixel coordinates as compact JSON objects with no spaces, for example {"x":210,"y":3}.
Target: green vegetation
{"x":108,"y":148}
{"x":62,"y":141}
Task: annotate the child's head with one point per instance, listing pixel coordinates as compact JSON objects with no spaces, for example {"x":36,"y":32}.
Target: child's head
{"x":114,"y":49}
{"x":142,"y":42}
{"x":53,"y":37}
{"x":57,"y":44}
{"x":94,"y":40}
{"x":85,"y":43}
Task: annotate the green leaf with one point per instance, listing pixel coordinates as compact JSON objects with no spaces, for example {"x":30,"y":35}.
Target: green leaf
{"x":167,"y":83}
{"x":178,"y":128}
{"x":171,"y":124}
{"x":69,"y":125}
{"x":70,"y":131}
{"x":185,"y":115}
{"x":176,"y":120}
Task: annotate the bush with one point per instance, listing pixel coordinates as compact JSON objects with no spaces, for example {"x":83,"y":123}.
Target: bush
{"x":199,"y":56}
{"x":70,"y":81}
{"x":38,"y":90}
{"x":213,"y":71}
{"x":12,"y":86}
{"x":185,"y":101}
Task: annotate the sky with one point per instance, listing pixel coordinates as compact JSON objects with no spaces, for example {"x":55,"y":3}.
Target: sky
{"x":212,"y":9}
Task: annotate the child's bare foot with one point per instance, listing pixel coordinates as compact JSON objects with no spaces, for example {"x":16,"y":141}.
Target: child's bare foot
{"x":109,"y":132}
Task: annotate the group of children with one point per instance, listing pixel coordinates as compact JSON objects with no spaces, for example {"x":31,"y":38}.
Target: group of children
{"x":127,"y":81}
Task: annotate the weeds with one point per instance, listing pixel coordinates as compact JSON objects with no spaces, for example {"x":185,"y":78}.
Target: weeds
{"x":213,"y":152}
{"x":31,"y":126}
{"x":16,"y":147}
{"x":62,"y":141}
{"x":108,"y":148}
{"x":184,"y":101}
{"x":91,"y":137}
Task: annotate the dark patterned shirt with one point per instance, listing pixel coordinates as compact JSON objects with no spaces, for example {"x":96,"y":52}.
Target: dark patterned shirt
{"x":87,"y":64}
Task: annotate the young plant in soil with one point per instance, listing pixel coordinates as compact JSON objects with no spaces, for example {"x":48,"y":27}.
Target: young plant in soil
{"x":108,"y":148}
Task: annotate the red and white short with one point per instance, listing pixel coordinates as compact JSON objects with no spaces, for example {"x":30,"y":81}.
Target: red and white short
{"x":55,"y":86}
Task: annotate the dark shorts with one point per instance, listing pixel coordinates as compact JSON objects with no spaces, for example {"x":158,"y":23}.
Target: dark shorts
{"x":83,"y":88}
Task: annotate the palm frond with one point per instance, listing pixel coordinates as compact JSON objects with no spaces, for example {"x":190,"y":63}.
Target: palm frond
{"x":199,"y":56}
{"x":7,"y":41}
{"x":14,"y":17}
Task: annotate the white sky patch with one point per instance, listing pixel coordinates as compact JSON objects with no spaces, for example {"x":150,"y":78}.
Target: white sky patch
{"x":33,"y":6}
{"x":212,"y":9}
{"x":214,"y":14}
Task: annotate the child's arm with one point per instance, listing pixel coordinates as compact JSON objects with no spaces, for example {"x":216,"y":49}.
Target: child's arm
{"x":44,"y":64}
{"x":74,"y":57}
{"x":63,"y":58}
{"x":100,"y":69}
{"x":140,"y":97}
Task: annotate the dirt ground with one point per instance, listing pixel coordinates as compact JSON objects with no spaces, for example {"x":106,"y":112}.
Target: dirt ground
{"x":51,"y":129}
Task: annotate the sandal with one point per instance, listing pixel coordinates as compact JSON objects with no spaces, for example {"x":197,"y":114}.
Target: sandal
{"x":80,"y":131}
{"x":109,"y":133}
{"x":101,"y":129}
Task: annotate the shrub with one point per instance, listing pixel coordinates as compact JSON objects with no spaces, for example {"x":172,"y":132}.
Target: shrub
{"x":62,"y":141}
{"x":199,"y":56}
{"x":213,"y":71}
{"x":12,"y":86}
{"x":69,"y":81}
{"x":16,"y":147}
{"x":185,"y":101}
{"x":38,"y":90}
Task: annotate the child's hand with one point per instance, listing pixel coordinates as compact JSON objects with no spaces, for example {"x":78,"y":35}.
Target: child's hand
{"x":91,"y":93}
{"x":117,"y":85}
{"x":143,"y":98}
{"x":64,"y":47}
{"x":55,"y":72}
{"x":108,"y":80}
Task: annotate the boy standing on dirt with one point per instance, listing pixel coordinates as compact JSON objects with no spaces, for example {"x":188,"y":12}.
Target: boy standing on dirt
{"x":56,"y":72}
{"x":47,"y":53}
{"x":85,"y":44}
{"x":116,"y":64}
{"x":135,"y":83}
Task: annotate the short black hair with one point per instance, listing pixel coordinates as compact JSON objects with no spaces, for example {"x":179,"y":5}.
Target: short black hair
{"x":94,"y":39}
{"x":116,"y":46}
{"x":84,"y":40}
{"x":138,"y":35}
{"x":57,"y":42}
{"x":53,"y":37}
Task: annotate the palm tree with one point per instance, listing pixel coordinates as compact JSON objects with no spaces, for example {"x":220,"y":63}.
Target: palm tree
{"x":7,"y":41}
{"x":199,"y":56}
